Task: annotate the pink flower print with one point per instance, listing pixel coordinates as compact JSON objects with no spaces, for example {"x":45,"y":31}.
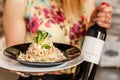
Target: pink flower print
{"x":76,"y":28}
{"x":52,"y":12}
{"x":52,"y":21}
{"x":37,"y":7}
{"x":60,"y":16}
{"x":81,"y":21}
{"x":84,"y":31}
{"x":75,"y":34}
{"x":72,"y":36}
{"x":46,"y":12}
{"x":34,"y":23}
{"x":47,"y":24}
{"x":76,"y":42}
{"x":77,"y":31}
{"x":52,"y":6}
{"x":39,"y":12}
{"x":47,"y":16}
{"x":82,"y":24}
{"x":57,"y":17}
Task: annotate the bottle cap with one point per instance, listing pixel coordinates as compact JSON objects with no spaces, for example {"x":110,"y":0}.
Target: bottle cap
{"x":105,"y":3}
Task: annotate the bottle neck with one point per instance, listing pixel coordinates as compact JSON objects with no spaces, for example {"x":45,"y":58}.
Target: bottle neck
{"x":101,"y":28}
{"x":97,"y":32}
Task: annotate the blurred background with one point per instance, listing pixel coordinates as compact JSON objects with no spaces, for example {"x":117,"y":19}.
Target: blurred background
{"x":110,"y":60}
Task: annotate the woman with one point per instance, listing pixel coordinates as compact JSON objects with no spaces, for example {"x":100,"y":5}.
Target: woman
{"x":66,"y":21}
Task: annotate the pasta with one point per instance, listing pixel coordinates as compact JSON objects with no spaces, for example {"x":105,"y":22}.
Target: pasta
{"x":37,"y":53}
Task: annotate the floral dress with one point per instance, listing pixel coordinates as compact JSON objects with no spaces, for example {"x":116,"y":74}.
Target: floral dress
{"x":48,"y":15}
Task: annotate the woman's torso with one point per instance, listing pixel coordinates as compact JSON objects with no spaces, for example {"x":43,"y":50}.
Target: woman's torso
{"x":48,"y":15}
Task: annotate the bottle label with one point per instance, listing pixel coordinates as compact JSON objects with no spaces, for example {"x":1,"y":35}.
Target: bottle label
{"x":92,"y":49}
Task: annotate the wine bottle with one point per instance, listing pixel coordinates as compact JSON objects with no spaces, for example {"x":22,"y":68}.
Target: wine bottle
{"x":93,"y":43}
{"x":91,"y":50}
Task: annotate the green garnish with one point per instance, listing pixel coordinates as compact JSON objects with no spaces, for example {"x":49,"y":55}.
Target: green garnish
{"x":40,"y":37}
{"x":46,"y":46}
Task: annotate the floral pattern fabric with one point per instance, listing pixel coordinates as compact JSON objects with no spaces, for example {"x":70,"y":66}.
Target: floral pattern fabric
{"x":48,"y":15}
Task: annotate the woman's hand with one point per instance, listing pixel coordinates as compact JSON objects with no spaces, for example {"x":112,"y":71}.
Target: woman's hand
{"x":27,"y":74}
{"x":102,"y":15}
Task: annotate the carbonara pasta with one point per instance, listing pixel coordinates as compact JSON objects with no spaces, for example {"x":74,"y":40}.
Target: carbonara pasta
{"x":37,"y":53}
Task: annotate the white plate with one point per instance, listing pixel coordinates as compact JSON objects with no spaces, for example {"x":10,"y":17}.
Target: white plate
{"x":11,"y":64}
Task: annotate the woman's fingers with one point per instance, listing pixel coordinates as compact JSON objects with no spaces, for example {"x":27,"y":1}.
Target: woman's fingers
{"x":104,"y":17}
{"x":37,"y":73}
{"x":104,"y":25}
{"x":27,"y":74}
{"x":108,"y":9}
{"x":103,"y":14}
{"x":103,"y":22}
{"x":22,"y":74}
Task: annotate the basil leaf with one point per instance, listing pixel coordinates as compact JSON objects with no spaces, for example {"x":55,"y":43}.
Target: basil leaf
{"x":46,"y":46}
{"x":40,"y":37}
{"x":43,"y":37}
{"x":36,"y":39}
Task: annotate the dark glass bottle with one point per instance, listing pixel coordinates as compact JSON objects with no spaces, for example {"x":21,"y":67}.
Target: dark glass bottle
{"x":92,"y":49}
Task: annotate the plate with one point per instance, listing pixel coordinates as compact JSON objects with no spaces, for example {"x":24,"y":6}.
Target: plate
{"x":69,"y":51}
{"x":12,"y":64}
